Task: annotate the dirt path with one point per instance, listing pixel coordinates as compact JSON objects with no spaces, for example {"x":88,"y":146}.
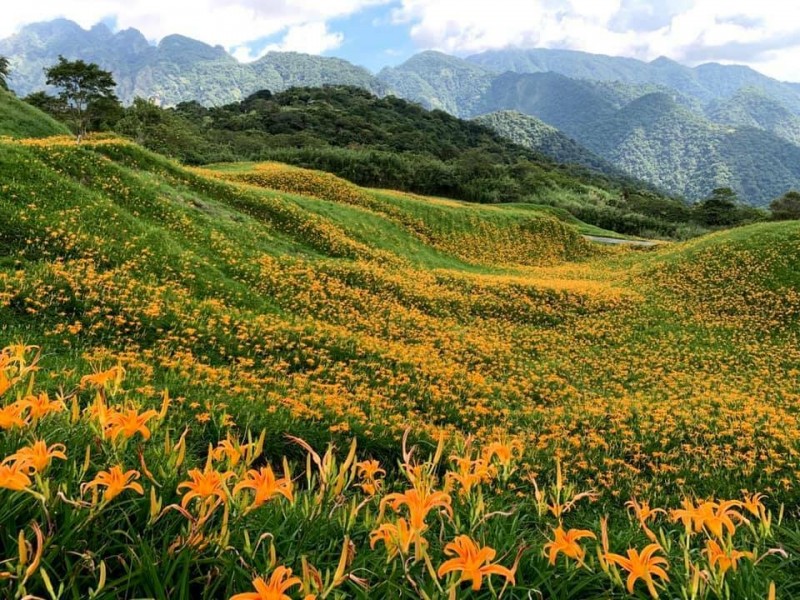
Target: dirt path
{"x":619,"y":242}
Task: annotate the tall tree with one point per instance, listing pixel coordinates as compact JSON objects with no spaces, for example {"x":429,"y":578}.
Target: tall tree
{"x":787,"y":207}
{"x":86,"y":90}
{"x":719,"y":209}
{"x":4,"y":68}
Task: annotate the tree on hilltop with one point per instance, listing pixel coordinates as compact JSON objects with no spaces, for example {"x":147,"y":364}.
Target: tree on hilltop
{"x":787,"y":207}
{"x":86,"y":93}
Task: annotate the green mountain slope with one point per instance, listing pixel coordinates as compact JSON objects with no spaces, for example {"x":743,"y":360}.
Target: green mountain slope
{"x":752,"y":108}
{"x":705,"y":83}
{"x":655,"y":139}
{"x":537,"y":135}
{"x":21,"y":120}
{"x":567,"y":104}
{"x":439,"y":81}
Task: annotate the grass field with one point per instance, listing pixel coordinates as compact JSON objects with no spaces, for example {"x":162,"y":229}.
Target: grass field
{"x":20,"y":120}
{"x":230,"y":368}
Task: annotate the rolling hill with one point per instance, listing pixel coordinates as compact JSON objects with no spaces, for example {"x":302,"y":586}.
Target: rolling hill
{"x":159,"y":318}
{"x":18,"y":119}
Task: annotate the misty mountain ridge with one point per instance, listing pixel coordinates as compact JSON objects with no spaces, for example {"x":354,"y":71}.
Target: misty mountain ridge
{"x":662,"y":121}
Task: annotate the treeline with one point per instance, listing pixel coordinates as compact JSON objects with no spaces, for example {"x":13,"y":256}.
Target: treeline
{"x":376,"y":142}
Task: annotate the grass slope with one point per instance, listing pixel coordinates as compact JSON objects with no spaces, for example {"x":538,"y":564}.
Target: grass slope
{"x":20,"y":120}
{"x":267,"y":298}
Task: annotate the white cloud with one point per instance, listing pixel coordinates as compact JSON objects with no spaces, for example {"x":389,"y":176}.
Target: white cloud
{"x":231,"y":23}
{"x":311,"y":38}
{"x":764,"y":34}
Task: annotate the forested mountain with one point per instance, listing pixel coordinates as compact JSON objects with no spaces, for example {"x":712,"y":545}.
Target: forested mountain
{"x":706,"y":82}
{"x":653,"y":132}
{"x":537,"y":135}
{"x":593,"y":99}
{"x":391,"y":143}
{"x":657,"y":140}
{"x":437,"y":80}
{"x":567,"y":104}
{"x":177,"y":69}
{"x":753,"y":108}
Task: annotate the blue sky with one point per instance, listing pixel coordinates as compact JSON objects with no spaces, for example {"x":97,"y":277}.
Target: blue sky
{"x":764,"y":34}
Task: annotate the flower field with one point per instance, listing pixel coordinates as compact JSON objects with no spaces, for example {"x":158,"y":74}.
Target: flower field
{"x":262,"y":383}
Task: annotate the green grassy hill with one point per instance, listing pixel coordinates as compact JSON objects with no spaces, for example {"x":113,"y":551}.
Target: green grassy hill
{"x":273,"y":299}
{"x":21,"y":120}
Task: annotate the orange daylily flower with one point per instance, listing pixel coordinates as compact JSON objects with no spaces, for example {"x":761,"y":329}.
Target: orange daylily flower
{"x":205,"y":485}
{"x":641,"y":566}
{"x":470,"y":473}
{"x":41,"y":405}
{"x":567,"y":543}
{"x":280,"y":581}
{"x":396,"y":537}
{"x":420,"y":502}
{"x":642,"y":510}
{"x":503,"y":452}
{"x":129,"y":423}
{"x":714,"y":517}
{"x":644,"y":513}
{"x":15,"y":475}
{"x":38,"y":455}
{"x":719,"y":558}
{"x":12,"y":415}
{"x":754,"y":505}
{"x":472,"y":561}
{"x":368,"y":471}
{"x":265,"y":485}
{"x":115,"y":481}
{"x":102,"y":379}
{"x":230,"y":449}
{"x":721,"y":517}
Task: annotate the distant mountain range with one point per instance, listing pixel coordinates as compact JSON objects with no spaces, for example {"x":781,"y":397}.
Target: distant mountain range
{"x":685,"y":129}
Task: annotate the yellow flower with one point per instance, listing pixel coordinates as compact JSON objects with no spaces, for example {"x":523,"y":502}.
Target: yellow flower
{"x":38,"y":455}
{"x":280,"y":581}
{"x":205,"y":485}
{"x":641,"y":566}
{"x":472,"y":561}
{"x":567,"y":543}
{"x":264,"y":483}
{"x":129,"y":423}
{"x":116,"y":481}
